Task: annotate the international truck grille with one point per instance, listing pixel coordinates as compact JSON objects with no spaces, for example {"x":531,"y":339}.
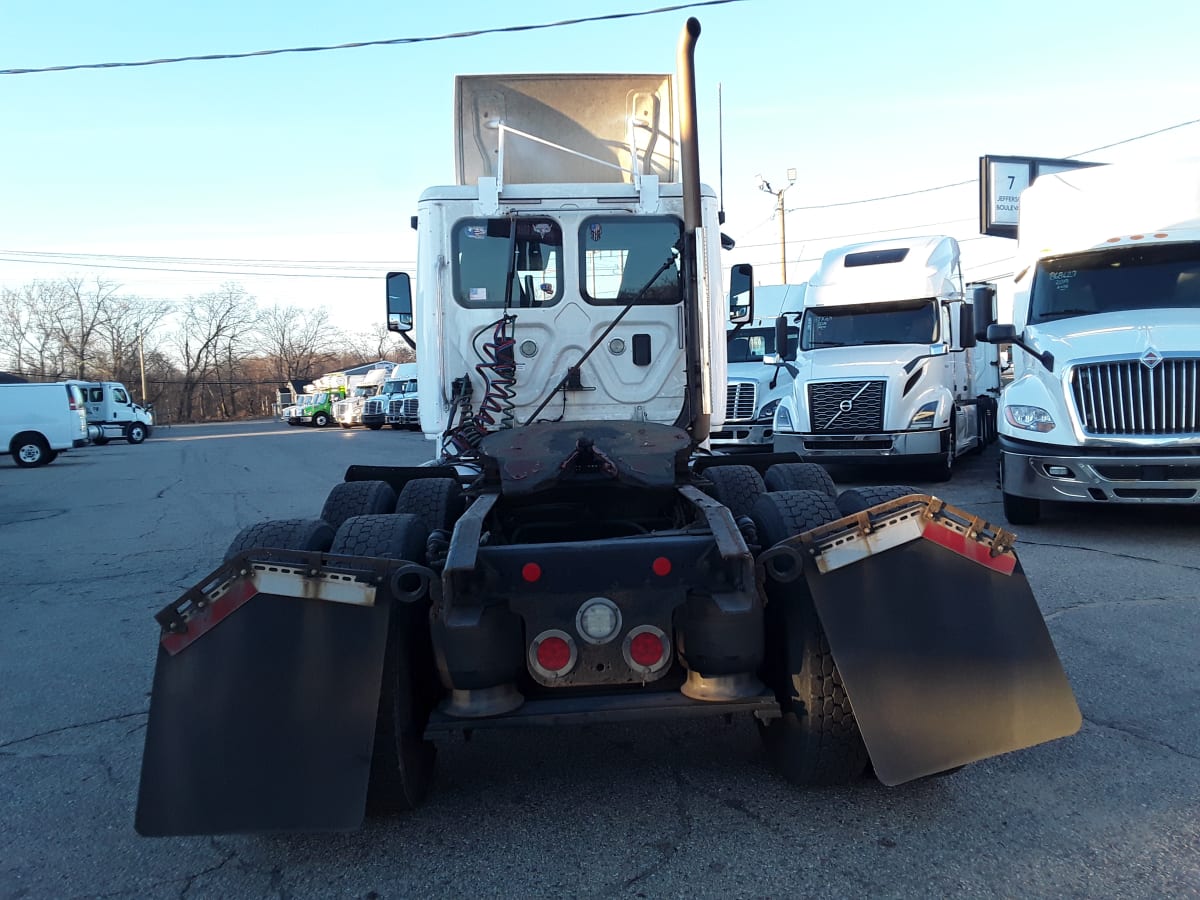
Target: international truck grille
{"x":740,"y":397}
{"x":847,"y":407}
{"x":1135,"y":398}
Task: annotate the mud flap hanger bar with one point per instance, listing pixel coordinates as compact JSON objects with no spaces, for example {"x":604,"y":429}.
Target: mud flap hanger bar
{"x":288,"y":573}
{"x":852,"y":538}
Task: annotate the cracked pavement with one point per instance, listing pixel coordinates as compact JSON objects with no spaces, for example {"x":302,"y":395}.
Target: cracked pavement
{"x":97,"y":542}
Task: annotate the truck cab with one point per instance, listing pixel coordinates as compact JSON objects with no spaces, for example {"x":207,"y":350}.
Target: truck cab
{"x":111,"y":413}
{"x":396,"y":404}
{"x":888,"y":369}
{"x":754,"y":390}
{"x":1104,"y":406}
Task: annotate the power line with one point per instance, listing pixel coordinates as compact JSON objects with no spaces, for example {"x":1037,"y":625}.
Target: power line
{"x":53,"y":255}
{"x":209,"y":57}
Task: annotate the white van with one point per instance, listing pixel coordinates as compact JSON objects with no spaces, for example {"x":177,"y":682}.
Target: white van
{"x":39,"y":421}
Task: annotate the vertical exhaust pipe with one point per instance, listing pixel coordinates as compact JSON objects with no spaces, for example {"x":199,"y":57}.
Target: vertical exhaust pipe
{"x":693,"y":417}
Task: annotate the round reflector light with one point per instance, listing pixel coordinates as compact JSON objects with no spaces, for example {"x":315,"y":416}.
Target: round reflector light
{"x":531,"y":571}
{"x":647,"y":649}
{"x":598,"y":620}
{"x":552,"y":654}
{"x":661,"y":566}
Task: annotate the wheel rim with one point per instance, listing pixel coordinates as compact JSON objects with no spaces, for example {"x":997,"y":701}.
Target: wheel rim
{"x":31,"y":453}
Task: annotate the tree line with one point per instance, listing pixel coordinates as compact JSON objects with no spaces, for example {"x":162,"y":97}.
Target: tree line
{"x":216,"y":356}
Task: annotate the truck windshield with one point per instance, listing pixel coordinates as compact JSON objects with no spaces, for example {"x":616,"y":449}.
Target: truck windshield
{"x":752,"y":344}
{"x":914,"y":322}
{"x":481,"y":262}
{"x":621,"y":255}
{"x":1116,"y":279}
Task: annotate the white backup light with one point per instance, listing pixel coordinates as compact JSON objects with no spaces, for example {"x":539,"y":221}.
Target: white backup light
{"x":598,"y":620}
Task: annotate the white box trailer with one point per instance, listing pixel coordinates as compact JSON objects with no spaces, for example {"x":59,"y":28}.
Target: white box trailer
{"x":1104,"y":406}
{"x":888,"y":368}
{"x":39,"y":421}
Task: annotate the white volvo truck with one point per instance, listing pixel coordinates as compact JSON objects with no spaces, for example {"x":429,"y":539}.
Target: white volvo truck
{"x":755,"y":391}
{"x":888,"y":368}
{"x":1104,"y":406}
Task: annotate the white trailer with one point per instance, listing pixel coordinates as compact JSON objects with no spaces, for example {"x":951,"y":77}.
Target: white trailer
{"x":754,"y":391}
{"x":888,"y":368}
{"x":1104,"y":406}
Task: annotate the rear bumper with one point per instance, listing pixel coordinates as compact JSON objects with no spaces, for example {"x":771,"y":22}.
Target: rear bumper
{"x":1076,"y":475}
{"x":884,"y":447}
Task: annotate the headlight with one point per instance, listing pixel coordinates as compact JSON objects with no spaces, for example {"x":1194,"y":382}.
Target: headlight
{"x":768,"y":411}
{"x":783,"y":419}
{"x":1029,"y":418}
{"x":926,"y":416}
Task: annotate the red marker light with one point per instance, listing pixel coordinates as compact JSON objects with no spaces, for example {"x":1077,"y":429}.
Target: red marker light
{"x":531,"y":572}
{"x":661,"y":566}
{"x":553,"y":654}
{"x":646,"y":649}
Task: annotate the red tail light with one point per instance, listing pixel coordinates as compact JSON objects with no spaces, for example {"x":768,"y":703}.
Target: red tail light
{"x":552,"y":654}
{"x":647,"y":649}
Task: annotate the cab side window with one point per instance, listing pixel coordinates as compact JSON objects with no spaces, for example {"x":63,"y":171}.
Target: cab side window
{"x":95,"y":395}
{"x":120,"y":396}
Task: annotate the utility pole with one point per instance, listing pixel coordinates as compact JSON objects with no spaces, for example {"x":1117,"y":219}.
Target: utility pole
{"x":142,"y":365}
{"x":765,"y":185}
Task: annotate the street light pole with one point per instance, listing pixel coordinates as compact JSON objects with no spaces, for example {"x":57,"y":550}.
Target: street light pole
{"x":765,"y":185}
{"x":142,"y":366}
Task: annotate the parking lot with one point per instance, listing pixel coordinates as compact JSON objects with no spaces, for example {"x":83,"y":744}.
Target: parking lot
{"x":95,"y":543}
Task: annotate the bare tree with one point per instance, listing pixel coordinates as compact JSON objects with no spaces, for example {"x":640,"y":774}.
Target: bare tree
{"x":213,"y":326}
{"x":377,"y":343}
{"x":301,"y":341}
{"x":78,"y":315}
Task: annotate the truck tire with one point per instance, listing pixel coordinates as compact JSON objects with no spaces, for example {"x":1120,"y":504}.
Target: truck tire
{"x":283,"y":534}
{"x":855,"y":500}
{"x":816,"y":741}
{"x":135,"y":432}
{"x":30,"y":450}
{"x":321,"y":420}
{"x":736,"y":487}
{"x":800,"y":477}
{"x":943,"y":470}
{"x":438,"y":502}
{"x":402,"y":762}
{"x":100,"y":441}
{"x":1021,"y":510}
{"x":397,"y":426}
{"x":375,"y":427}
{"x":357,"y":498}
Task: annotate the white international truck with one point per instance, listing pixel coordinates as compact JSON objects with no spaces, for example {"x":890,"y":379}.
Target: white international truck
{"x":888,"y":368}
{"x":397,"y":403}
{"x":112,"y":414}
{"x":754,"y":391}
{"x":572,"y":554}
{"x":348,"y":412}
{"x":1104,"y":406}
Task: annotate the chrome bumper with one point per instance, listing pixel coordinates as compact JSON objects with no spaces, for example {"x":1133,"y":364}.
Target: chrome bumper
{"x":1102,"y":479}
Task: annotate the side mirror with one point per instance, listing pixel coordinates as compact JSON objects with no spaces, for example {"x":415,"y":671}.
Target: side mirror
{"x":966,"y":326}
{"x":781,"y":339}
{"x":399,"y":302}
{"x":741,"y":294}
{"x":983,"y":302}
{"x":1001,"y":334}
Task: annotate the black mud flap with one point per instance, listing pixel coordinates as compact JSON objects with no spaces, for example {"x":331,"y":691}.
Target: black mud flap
{"x":263,"y":710}
{"x":942,"y":648}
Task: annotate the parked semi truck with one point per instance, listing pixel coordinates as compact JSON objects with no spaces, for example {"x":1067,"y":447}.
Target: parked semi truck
{"x":888,"y":368}
{"x":348,"y":412}
{"x":1104,"y":406}
{"x":571,"y":555}
{"x":397,"y":403}
{"x":754,"y":391}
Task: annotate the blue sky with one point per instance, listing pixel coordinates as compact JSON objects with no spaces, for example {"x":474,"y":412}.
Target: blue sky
{"x":320,"y":157}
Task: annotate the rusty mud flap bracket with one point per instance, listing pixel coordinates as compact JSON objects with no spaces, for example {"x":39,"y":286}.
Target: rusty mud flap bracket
{"x":941,"y":645}
{"x":266,"y":693}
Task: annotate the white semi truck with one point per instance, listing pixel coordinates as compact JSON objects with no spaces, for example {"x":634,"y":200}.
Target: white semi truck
{"x":572,"y":554}
{"x":754,"y":391}
{"x":397,"y":403}
{"x":888,"y":368}
{"x":112,"y":414}
{"x":1104,"y":406}
{"x":348,"y":412}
